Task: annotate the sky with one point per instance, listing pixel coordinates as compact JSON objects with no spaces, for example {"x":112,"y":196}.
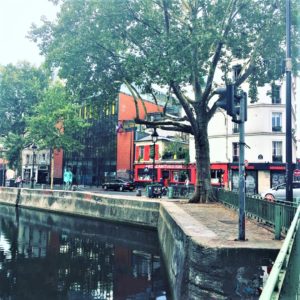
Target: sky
{"x":16,"y":17}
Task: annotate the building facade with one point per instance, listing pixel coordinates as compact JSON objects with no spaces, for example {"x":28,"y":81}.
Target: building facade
{"x":169,"y":164}
{"x":265,"y":132}
{"x":36,"y":165}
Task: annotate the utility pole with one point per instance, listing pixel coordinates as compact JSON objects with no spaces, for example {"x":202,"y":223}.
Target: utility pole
{"x":242,"y":169}
{"x":288,"y":136}
{"x":234,"y":101}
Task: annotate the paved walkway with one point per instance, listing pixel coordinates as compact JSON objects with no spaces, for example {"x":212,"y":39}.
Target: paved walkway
{"x":222,"y":223}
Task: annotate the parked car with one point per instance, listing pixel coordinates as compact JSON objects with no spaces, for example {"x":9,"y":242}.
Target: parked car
{"x":278,"y":193}
{"x":118,"y":185}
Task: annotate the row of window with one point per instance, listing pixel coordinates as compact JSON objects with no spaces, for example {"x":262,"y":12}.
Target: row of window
{"x":38,"y":158}
{"x":276,"y":123}
{"x":276,"y":151}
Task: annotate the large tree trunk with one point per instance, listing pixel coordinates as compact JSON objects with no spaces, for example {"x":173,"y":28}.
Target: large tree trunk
{"x":203,"y":190}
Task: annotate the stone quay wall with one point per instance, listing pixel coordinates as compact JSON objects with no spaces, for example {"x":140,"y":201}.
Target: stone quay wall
{"x":138,"y":212}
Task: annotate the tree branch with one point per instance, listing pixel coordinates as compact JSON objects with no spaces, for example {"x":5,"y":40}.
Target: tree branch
{"x":216,"y":56}
{"x":166,"y":125}
{"x":185,"y":105}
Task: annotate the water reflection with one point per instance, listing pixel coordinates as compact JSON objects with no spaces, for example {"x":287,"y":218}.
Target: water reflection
{"x":47,"y":256}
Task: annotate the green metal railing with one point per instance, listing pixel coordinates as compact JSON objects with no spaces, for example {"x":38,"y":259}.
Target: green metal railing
{"x":284,"y":279}
{"x":180,"y":191}
{"x":277,"y":214}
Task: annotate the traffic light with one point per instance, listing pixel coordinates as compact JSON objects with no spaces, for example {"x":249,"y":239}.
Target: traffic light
{"x":230,"y":100}
{"x":226,"y":100}
{"x":240,"y":99}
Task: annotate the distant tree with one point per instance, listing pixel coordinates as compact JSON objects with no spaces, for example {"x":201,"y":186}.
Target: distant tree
{"x":178,"y":45}
{"x":21,"y":87}
{"x":14,"y":144}
{"x":56,"y":123}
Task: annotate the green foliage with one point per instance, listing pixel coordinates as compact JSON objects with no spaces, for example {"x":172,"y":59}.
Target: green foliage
{"x":56,"y":123}
{"x":176,"y":150}
{"x":151,"y":155}
{"x":21,"y":87}
{"x":177,"y":45}
{"x":98,"y":44}
{"x":14,"y":144}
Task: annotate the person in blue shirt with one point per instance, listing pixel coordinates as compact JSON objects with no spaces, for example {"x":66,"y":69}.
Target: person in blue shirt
{"x":68,"y":179}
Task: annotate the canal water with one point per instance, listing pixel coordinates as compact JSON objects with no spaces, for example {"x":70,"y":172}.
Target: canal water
{"x":51,"y":256}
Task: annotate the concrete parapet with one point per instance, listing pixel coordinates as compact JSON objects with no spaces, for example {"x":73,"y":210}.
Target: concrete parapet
{"x":139,"y":212}
{"x":9,"y":196}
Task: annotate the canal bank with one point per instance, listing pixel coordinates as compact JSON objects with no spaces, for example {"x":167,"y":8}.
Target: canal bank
{"x":197,"y":241}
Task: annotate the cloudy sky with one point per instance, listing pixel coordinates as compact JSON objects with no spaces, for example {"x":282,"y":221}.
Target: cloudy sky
{"x":16,"y":17}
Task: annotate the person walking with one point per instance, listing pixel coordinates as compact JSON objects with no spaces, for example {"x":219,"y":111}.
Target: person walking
{"x":68,"y":179}
{"x":18,"y":181}
{"x":187,"y":184}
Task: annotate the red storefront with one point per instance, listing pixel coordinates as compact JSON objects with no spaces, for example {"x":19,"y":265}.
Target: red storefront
{"x":172,"y":173}
{"x":176,"y":172}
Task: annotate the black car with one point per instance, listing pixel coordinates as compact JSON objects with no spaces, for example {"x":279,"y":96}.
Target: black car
{"x":118,"y":185}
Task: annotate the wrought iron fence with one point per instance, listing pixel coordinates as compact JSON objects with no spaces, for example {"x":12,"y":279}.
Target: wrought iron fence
{"x":277,"y":214}
{"x":283,"y":282}
{"x":180,"y":191}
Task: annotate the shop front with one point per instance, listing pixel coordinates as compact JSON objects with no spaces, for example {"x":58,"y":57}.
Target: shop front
{"x":170,"y":173}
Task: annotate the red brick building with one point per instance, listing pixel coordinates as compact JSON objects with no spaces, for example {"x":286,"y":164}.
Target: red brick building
{"x":126,"y":131}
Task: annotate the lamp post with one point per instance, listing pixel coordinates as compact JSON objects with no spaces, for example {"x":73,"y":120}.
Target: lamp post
{"x":3,"y":166}
{"x":154,"y":137}
{"x":288,"y":71}
{"x":33,"y":147}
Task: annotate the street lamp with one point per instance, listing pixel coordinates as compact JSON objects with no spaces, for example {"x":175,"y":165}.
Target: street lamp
{"x":33,"y":147}
{"x":3,"y":166}
{"x":154,"y":137}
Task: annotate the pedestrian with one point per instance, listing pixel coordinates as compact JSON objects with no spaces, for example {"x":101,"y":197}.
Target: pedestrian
{"x":187,"y":182}
{"x":68,"y":178}
{"x":18,"y":181}
{"x":161,"y":181}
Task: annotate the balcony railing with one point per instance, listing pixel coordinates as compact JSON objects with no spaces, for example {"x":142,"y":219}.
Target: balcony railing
{"x":276,"y":128}
{"x":277,"y":158}
{"x":235,"y":130}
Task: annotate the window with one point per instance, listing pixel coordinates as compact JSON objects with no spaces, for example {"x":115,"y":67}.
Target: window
{"x":277,"y":151}
{"x":235,"y":128}
{"x":276,"y":121}
{"x":235,"y":152}
{"x":142,"y":151}
{"x":275,"y":94}
{"x":146,"y":174}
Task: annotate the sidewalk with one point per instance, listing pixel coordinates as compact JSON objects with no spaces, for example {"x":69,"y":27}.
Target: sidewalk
{"x":222,"y":223}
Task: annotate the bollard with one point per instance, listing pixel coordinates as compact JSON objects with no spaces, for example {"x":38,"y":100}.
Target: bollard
{"x":277,"y":222}
{"x":139,"y":192}
{"x":170,"y":192}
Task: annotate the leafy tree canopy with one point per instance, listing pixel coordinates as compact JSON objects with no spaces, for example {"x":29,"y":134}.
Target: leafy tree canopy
{"x":21,"y":87}
{"x":186,"y":46}
{"x":56,"y":122}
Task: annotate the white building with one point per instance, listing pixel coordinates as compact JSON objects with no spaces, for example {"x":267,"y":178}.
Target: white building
{"x":264,"y":135}
{"x":39,"y":161}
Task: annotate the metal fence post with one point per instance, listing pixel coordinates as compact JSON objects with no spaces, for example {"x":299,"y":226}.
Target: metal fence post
{"x":278,"y":224}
